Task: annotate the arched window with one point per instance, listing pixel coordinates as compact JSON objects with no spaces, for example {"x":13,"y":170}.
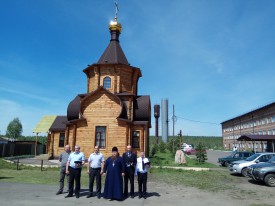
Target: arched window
{"x":107,"y":82}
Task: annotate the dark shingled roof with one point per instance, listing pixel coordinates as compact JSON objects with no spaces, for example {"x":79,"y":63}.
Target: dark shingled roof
{"x":142,"y":108}
{"x":254,"y":137}
{"x":73,"y":109}
{"x":113,"y":54}
{"x":59,"y":124}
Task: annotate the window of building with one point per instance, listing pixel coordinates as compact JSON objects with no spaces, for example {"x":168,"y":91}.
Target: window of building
{"x":107,"y":82}
{"x":260,"y":132}
{"x":135,"y":139}
{"x":273,"y":131}
{"x":264,"y":132}
{"x":61,"y":140}
{"x":273,"y":119}
{"x":268,"y":120}
{"x":100,"y":136}
{"x":269,"y":132}
{"x":263,"y":121}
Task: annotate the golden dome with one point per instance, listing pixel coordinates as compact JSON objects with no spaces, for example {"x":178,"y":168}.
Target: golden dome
{"x":115,"y":26}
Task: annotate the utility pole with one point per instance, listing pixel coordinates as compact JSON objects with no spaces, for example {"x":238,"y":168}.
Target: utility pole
{"x":173,"y":128}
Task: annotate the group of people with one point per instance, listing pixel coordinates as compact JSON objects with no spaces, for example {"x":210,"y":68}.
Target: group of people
{"x":116,"y":170}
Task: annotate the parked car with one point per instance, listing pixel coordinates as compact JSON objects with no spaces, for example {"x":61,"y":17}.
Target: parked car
{"x":241,"y":166}
{"x":264,"y":172}
{"x":234,"y":156}
{"x":188,"y":149}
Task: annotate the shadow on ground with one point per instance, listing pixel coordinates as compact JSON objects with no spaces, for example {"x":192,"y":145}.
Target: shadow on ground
{"x":2,"y":178}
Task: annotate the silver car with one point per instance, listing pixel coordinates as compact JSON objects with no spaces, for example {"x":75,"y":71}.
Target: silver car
{"x":241,"y":166}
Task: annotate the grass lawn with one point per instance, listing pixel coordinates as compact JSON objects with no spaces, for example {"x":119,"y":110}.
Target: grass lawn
{"x":206,"y":180}
{"x":168,"y":159}
{"x":9,"y":173}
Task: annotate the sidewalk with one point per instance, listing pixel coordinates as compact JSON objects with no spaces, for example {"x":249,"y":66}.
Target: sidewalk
{"x":36,"y":162}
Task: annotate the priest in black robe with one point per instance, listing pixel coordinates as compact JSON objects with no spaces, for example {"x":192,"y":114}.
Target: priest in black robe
{"x":114,"y":166}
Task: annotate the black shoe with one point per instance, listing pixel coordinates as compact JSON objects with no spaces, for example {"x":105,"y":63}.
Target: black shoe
{"x":139,"y":196}
{"x":132,"y":196}
{"x":144,"y":197}
{"x":77,"y":196}
{"x":68,"y":196}
{"x":98,"y":196}
{"x":89,"y":195}
{"x":59,"y":192}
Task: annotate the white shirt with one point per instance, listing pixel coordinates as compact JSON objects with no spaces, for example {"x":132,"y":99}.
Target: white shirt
{"x":76,"y":157}
{"x":96,"y":160}
{"x":139,"y":165}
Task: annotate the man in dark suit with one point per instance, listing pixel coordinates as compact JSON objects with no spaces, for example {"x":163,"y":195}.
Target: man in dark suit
{"x":130,"y":161}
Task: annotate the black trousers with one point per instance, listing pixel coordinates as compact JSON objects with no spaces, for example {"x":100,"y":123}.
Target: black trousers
{"x":95,"y":173}
{"x":129,"y":175}
{"x":63,"y":175}
{"x":75,"y":175}
{"x":142,"y":184}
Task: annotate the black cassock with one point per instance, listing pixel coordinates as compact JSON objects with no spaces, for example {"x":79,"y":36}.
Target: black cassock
{"x":113,"y":188}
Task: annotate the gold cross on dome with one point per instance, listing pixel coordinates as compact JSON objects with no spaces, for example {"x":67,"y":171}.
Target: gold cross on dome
{"x":116,"y":10}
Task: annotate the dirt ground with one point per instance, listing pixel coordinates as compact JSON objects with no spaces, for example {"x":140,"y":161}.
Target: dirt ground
{"x":245,"y":193}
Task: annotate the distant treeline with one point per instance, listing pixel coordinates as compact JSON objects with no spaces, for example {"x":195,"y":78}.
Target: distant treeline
{"x":210,"y":142}
{"x":41,"y":139}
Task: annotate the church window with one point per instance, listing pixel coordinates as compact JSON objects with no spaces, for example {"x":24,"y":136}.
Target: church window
{"x":135,"y":139}
{"x":107,"y":82}
{"x":100,"y":137}
{"x":61,"y":140}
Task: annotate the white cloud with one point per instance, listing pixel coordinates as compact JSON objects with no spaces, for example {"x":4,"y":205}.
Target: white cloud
{"x":29,"y":95}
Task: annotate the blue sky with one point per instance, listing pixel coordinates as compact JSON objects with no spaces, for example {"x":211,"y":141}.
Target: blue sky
{"x":212,"y":59}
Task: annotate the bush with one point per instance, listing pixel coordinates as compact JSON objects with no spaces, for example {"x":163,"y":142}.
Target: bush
{"x":201,"y":153}
{"x":154,"y":150}
{"x":162,"y":147}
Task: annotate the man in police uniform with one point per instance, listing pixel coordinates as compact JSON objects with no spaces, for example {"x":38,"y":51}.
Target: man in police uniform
{"x":73,"y":168}
{"x":130,"y":161}
{"x":95,"y":170}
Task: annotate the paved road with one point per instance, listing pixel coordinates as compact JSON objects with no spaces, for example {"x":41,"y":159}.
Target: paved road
{"x":213,"y":155}
{"x":24,"y":194}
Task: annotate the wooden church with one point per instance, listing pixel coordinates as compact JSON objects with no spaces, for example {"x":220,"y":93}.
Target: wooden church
{"x":111,"y":113}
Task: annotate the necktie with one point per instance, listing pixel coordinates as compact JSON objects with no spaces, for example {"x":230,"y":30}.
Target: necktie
{"x":143,"y":166}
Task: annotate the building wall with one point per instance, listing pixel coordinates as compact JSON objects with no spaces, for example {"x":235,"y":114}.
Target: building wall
{"x":261,"y":122}
{"x":102,"y":109}
{"x":123,"y":78}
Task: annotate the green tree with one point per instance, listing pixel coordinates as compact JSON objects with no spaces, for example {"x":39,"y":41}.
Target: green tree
{"x":201,"y":153}
{"x":14,"y":129}
{"x":154,"y":150}
{"x":162,"y":146}
{"x":174,"y":144}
